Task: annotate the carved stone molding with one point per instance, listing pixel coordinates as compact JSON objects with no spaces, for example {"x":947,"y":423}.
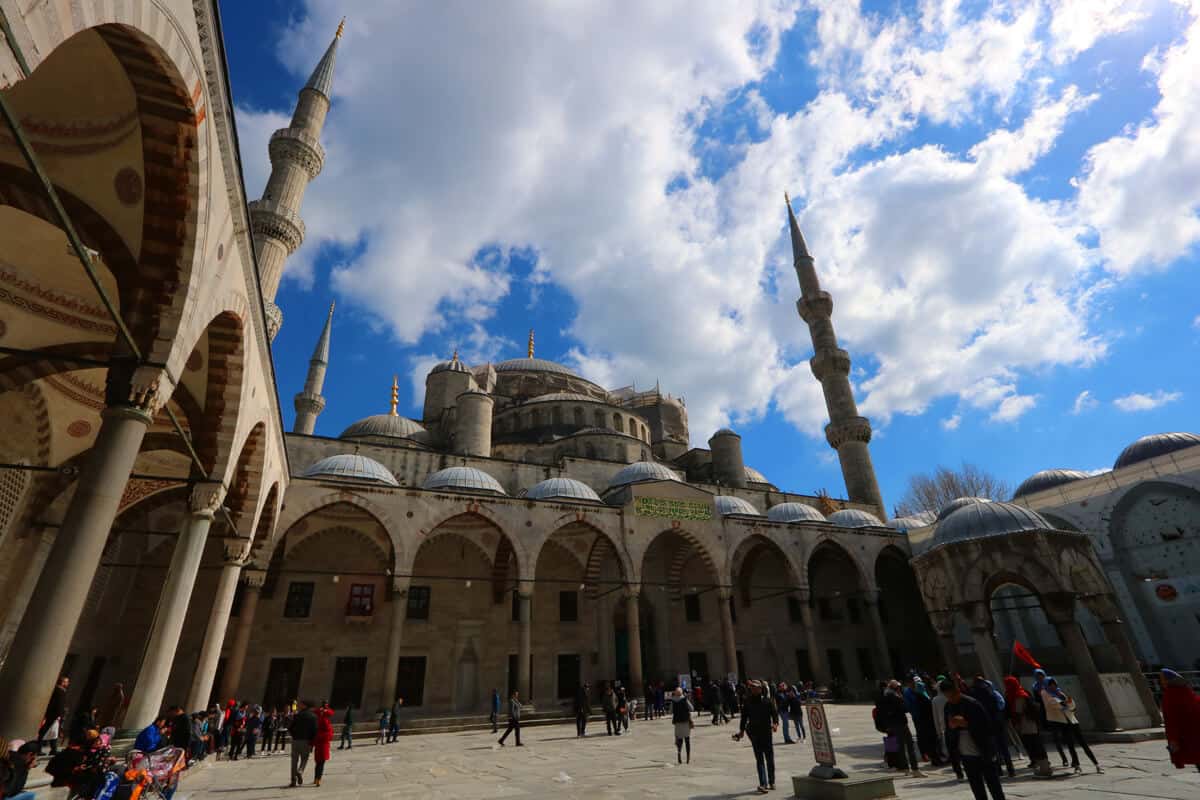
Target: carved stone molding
{"x":206,"y":498}
{"x":254,"y":578}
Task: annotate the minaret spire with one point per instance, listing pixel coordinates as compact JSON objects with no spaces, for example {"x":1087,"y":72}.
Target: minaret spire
{"x":309,"y":403}
{"x":296,"y":159}
{"x":395,"y":396}
{"x":530,"y":352}
{"x":847,"y":432}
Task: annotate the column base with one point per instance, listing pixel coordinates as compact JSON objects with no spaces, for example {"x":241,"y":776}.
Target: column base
{"x":843,"y":788}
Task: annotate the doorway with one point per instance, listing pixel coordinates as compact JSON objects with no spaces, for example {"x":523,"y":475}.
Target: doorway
{"x":283,"y":682}
{"x":569,"y":671}
{"x":410,"y":680}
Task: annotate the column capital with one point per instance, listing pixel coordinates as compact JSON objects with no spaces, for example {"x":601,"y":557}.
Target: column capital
{"x":254,"y":578}
{"x":633,"y":590}
{"x":400,"y":585}
{"x":136,"y":388}
{"x":206,"y":499}
{"x":942,"y":621}
{"x":525,"y":589}
{"x":236,"y":551}
{"x":724,"y":593}
{"x":1059,"y":607}
{"x":803,"y":594}
{"x":978,"y":615}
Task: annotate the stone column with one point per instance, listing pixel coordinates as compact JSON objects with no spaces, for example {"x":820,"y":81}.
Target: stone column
{"x":253,"y":580}
{"x":525,"y":641}
{"x":943,"y":624}
{"x":45,"y":632}
{"x":1060,"y":610}
{"x":816,"y":663}
{"x":218,"y":623}
{"x":391,"y":667}
{"x":1114,"y":631}
{"x":172,"y":606}
{"x":728,"y":642}
{"x":880,"y":633}
{"x":989,"y":659}
{"x":633,"y":624}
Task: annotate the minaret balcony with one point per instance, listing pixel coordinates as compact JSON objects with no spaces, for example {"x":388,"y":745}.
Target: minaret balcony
{"x":829,"y":361}
{"x":854,"y":429}
{"x":274,"y":221}
{"x":297,"y":146}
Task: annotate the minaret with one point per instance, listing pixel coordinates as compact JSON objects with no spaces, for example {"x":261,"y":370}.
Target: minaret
{"x":529,"y":352}
{"x":309,"y":403}
{"x":847,"y":432}
{"x":296,"y":158}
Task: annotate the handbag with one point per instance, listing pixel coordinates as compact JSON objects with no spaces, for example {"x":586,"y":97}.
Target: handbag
{"x":891,"y":743}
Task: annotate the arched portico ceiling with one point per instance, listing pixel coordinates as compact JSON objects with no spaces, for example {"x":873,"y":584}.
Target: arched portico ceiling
{"x":339,"y":516}
{"x":828,"y":549}
{"x":681,"y":545}
{"x":508,"y":561}
{"x":747,"y":554}
{"x":296,"y":510}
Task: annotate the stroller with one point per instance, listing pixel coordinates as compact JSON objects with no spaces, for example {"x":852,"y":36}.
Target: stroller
{"x":146,"y":775}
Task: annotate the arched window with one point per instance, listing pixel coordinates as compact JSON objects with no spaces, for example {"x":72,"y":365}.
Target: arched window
{"x":617,"y":425}
{"x":599,"y":418}
{"x":578,"y":417}
{"x":556,"y":416}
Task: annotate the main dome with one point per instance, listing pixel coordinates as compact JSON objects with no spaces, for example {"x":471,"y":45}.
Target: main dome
{"x":640,"y":472}
{"x":794,"y":512}
{"x":387,"y":425}
{"x":562,"y":489}
{"x":350,"y":466}
{"x":462,"y":479}
{"x":728,"y":504}
{"x":983,"y":520}
{"x":854,"y":518}
{"x":1157,"y":444}
{"x":1047,"y":479}
{"x":534,"y":365}
{"x":574,"y":397}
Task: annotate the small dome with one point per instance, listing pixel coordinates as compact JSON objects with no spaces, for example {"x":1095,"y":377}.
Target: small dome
{"x":794,"y":512}
{"x":386,"y":425}
{"x":640,"y":472}
{"x":1158,"y":444}
{"x":1047,"y":479}
{"x":728,"y":504}
{"x":462,"y":479}
{"x":754,"y":476}
{"x":534,"y":365}
{"x":453,"y":365}
{"x":854,"y":518}
{"x":562,"y":489}
{"x":911,"y":523}
{"x":351,"y":467}
{"x":574,"y":397}
{"x":983,"y":520}
{"x":957,"y":503}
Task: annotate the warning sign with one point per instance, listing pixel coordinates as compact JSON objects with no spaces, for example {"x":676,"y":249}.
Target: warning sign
{"x":818,"y":733}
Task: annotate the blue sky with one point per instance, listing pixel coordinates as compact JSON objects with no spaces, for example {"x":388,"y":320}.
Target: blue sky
{"x":1001,"y":197}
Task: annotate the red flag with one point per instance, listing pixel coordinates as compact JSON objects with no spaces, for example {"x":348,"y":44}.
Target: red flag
{"x":1021,"y":652}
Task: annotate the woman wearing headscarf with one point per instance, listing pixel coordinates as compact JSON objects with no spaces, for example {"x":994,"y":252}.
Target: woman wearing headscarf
{"x":321,"y":742}
{"x":1060,"y":717}
{"x":682,"y":723}
{"x":1025,"y":717}
{"x":1181,"y":717}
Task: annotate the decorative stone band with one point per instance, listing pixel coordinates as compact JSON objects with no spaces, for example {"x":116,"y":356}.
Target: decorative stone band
{"x":206,"y":499}
{"x":133,"y":387}
{"x":830,"y":362}
{"x":254,"y":578}
{"x":294,"y":145}
{"x":672,"y":509}
{"x":309,"y":403}
{"x":855,"y":429}
{"x":269,"y":219}
{"x":274,"y":319}
{"x":818,"y":307}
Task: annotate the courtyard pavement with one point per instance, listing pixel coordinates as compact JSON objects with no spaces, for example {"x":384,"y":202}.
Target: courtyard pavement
{"x":553,"y":763}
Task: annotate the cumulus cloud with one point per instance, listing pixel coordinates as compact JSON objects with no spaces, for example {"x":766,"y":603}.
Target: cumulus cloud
{"x":1138,"y":401}
{"x":1084,"y":401}
{"x":951,"y":423}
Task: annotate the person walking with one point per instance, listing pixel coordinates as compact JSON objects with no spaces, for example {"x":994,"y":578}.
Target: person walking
{"x":622,"y":708}
{"x":56,"y":707}
{"x":971,"y":733}
{"x":282,"y":726}
{"x":714,"y":694}
{"x":1023,"y":716}
{"x":1060,"y":717}
{"x":938,"y":704}
{"x":609,"y":703}
{"x":394,"y":720}
{"x":303,"y":730}
{"x":583,"y":709}
{"x":514,"y":719}
{"x":237,"y":732}
{"x":994,"y":703}
{"x":796,"y":712}
{"x":253,"y":728}
{"x":785,"y":711}
{"x":1181,"y":718}
{"x":759,"y":721}
{"x":269,"y":724}
{"x":495,"y":716}
{"x":381,"y":736}
{"x":321,"y":742}
{"x":347,"y":740}
{"x":682,"y":723}
{"x":891,"y":717}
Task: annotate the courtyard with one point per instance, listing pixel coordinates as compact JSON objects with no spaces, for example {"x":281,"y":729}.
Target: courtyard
{"x":642,"y":764}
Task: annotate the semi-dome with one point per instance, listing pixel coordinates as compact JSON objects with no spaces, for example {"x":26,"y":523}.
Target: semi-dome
{"x":1157,"y":444}
{"x":754,"y":476}
{"x":1047,"y":479}
{"x":853,"y":518}
{"x":728,"y":504}
{"x":462,"y":479}
{"x":794,"y":512}
{"x":562,"y":489}
{"x":957,"y":503}
{"x":391,"y":426}
{"x":350,"y":466}
{"x":983,"y":520}
{"x":640,"y":472}
{"x":534,"y":365}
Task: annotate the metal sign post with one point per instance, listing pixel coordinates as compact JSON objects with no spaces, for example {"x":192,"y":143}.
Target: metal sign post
{"x":822,"y":742}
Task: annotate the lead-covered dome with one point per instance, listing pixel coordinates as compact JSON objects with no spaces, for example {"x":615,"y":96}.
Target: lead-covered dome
{"x":462,"y":479}
{"x":957,"y":503}
{"x":350,"y":466}
{"x":1157,"y":444}
{"x":389,"y":426}
{"x":854,"y":518}
{"x":574,"y":397}
{"x":534,"y":365}
{"x":794,"y":512}
{"x":453,"y":365}
{"x":562,"y":489}
{"x":728,"y":504}
{"x":1047,"y":479}
{"x":640,"y":472}
{"x":912,"y":522}
{"x":754,"y":476}
{"x":983,"y":520}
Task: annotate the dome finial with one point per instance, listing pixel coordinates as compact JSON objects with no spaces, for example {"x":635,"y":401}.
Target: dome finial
{"x":395,"y":395}
{"x":341,"y":28}
{"x":530,"y":353}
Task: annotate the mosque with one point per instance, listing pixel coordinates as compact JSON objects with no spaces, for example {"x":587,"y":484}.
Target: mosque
{"x":533,"y":530}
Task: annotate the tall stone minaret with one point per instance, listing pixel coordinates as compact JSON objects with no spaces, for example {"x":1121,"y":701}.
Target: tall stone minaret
{"x":296,"y":158}
{"x":309,"y":403}
{"x":847,"y":432}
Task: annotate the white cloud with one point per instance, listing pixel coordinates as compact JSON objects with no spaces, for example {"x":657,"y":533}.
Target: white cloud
{"x":1196,"y":322}
{"x":1076,"y":25}
{"x":951,"y":423}
{"x":1012,"y":408}
{"x":1146,"y":402}
{"x":1084,"y":401}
